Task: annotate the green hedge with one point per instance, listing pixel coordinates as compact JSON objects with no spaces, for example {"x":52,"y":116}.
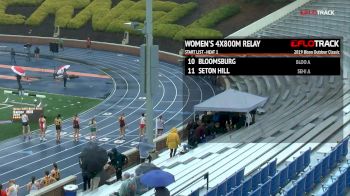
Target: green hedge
{"x":197,"y":33}
{"x":165,"y":6}
{"x":177,"y":13}
{"x":7,"y":19}
{"x":114,"y":13}
{"x":63,"y":16}
{"x":53,"y":6}
{"x":119,"y":26}
{"x":214,"y":17}
{"x":96,"y":10}
{"x":166,"y":30}
{"x":139,"y":15}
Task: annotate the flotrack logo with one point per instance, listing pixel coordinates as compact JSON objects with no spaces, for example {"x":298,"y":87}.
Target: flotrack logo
{"x":317,"y":12}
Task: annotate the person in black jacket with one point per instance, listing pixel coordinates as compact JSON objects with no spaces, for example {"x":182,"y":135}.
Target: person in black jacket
{"x":118,"y":160}
{"x":86,"y":176}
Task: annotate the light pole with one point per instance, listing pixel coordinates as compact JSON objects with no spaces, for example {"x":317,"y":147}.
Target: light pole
{"x":148,"y":69}
{"x":149,"y":74}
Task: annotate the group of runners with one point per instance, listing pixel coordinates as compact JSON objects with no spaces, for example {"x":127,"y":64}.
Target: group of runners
{"x":76,"y":127}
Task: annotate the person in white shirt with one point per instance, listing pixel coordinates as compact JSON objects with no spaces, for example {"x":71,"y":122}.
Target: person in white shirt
{"x":160,"y":125}
{"x":25,"y":126}
{"x":142,"y":124}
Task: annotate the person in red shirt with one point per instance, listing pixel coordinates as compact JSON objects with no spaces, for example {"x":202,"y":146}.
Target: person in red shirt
{"x":88,"y":43}
{"x":2,"y":192}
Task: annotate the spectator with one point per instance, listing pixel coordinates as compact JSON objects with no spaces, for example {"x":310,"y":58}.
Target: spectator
{"x":200,"y":133}
{"x":161,"y":191}
{"x":13,"y":56}
{"x":55,"y":172}
{"x":128,"y":186}
{"x":36,"y":53}
{"x":2,"y":192}
{"x":144,"y":149}
{"x":160,"y":125}
{"x":92,"y":129}
{"x":88,"y":43}
{"x":60,"y":43}
{"x":173,"y":141}
{"x":12,"y":189}
{"x":106,"y":173}
{"x":25,"y":126}
{"x":76,"y":127}
{"x":47,"y":179}
{"x":65,"y":78}
{"x":248,"y":119}
{"x":58,"y":123}
{"x":122,"y":125}
{"x":33,"y":185}
{"x":118,"y":160}
{"x":86,"y":176}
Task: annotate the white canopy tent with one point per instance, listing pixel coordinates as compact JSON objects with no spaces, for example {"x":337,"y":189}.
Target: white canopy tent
{"x":231,"y":101}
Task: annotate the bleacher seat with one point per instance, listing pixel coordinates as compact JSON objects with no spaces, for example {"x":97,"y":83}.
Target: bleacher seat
{"x":332,"y":159}
{"x":212,"y":192}
{"x":195,"y":193}
{"x":300,"y":187}
{"x":275,"y":184}
{"x":284,"y":177}
{"x":318,"y":172}
{"x":264,"y":174}
{"x":325,"y":166}
{"x":332,"y":189}
{"x":239,"y":177}
{"x":256,"y":180}
{"x":230,"y":183}
{"x":341,"y":186}
{"x":348,"y":177}
{"x":307,"y":157}
{"x":257,"y":192}
{"x":338,"y":153}
{"x":247,"y":186}
{"x":300,"y":163}
{"x":291,"y":191}
{"x":325,"y":192}
{"x":273,"y":167}
{"x":265,"y":188}
{"x":345,"y":146}
{"x":237,"y":191}
{"x":309,"y":181}
{"x":292,"y":170}
{"x":221,"y":189}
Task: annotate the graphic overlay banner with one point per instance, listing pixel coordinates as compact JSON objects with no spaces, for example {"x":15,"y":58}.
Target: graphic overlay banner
{"x":263,"y":57}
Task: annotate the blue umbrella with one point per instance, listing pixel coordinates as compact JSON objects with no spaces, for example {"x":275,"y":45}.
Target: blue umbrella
{"x":157,"y":178}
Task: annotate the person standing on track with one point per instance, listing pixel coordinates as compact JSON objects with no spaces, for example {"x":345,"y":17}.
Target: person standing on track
{"x":93,"y":128}
{"x":142,"y":124}
{"x":122,"y":125}
{"x":58,"y":124}
{"x":55,"y":172}
{"x":13,"y":56}
{"x":76,"y":127}
{"x":160,"y":125}
{"x":88,"y":43}
{"x":25,"y":126}
{"x":37,"y":53}
{"x":65,"y":78}
{"x":12,"y":189}
{"x":42,"y":127}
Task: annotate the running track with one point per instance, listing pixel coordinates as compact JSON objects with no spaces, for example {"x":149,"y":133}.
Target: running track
{"x":177,"y":94}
